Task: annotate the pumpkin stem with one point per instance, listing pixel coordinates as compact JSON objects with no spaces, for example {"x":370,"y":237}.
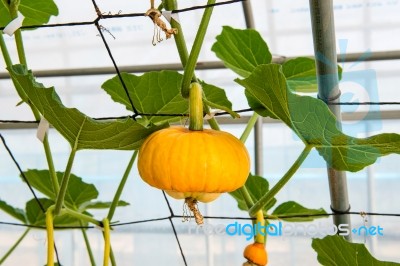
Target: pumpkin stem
{"x":195,"y":107}
{"x":192,"y":204}
{"x":260,"y":237}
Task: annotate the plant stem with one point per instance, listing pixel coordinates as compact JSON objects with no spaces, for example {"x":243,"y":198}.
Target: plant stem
{"x":249,"y":127}
{"x":112,"y":257}
{"x":14,"y":246}
{"x":88,"y":247}
{"x":250,"y":124}
{"x":81,"y":216}
{"x":184,"y":55}
{"x":7,"y":60}
{"x":246,"y":196}
{"x":196,"y":107}
{"x":194,"y":53}
{"x":50,"y":163}
{"x":260,"y":238}
{"x":20,"y":47}
{"x":106,"y":227}
{"x":64,"y":182}
{"x":121,"y":186}
{"x":264,"y":200}
{"x":179,"y":38}
{"x":4,"y":51}
{"x":50,"y":236}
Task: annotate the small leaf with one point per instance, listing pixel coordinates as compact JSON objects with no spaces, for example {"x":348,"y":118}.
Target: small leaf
{"x":216,"y":99}
{"x":241,"y":50}
{"x":336,"y":251}
{"x":257,"y":186}
{"x":36,"y":12}
{"x":313,"y":122}
{"x":151,"y":93}
{"x":301,"y":74}
{"x":159,"y":93}
{"x":81,"y":131}
{"x":78,"y":192}
{"x":37,"y":217}
{"x":14,"y":212}
{"x":292,"y":208}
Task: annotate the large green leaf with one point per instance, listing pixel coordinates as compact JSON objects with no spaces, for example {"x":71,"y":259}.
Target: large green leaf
{"x":36,"y":12}
{"x":257,"y":186}
{"x":241,"y":50}
{"x":14,"y":212}
{"x":301,"y":74}
{"x":313,"y":122}
{"x":37,"y":217}
{"x":292,"y":208}
{"x":336,"y":251}
{"x":159,"y":93}
{"x":81,"y":131}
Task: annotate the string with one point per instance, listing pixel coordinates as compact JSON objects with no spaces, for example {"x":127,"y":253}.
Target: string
{"x":119,"y":15}
{"x":173,"y":228}
{"x":28,"y":184}
{"x":269,"y":217}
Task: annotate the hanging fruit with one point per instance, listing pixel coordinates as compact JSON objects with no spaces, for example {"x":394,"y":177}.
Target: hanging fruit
{"x":255,"y":253}
{"x":194,"y":164}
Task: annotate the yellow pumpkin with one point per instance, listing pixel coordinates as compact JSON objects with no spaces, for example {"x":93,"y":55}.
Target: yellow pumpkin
{"x":193,"y":164}
{"x":256,"y":254}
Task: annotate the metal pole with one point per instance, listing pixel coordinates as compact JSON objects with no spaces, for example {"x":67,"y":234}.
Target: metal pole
{"x":323,"y":28}
{"x":258,"y":128}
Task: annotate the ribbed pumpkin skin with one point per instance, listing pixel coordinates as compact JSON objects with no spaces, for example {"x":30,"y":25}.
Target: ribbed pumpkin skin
{"x":181,"y":160}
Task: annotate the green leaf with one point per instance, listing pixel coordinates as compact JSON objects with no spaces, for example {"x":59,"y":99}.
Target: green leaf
{"x":336,"y":251}
{"x":36,"y":12}
{"x":104,"y":205}
{"x":37,"y":217}
{"x":40,"y":180}
{"x":241,"y":50}
{"x":257,"y":186}
{"x":12,"y":211}
{"x":78,"y":192}
{"x":292,"y":208}
{"x":151,"y":93}
{"x":313,"y":122}
{"x":216,"y":99}
{"x":301,"y":74}
{"x":159,"y":93}
{"x":81,"y":131}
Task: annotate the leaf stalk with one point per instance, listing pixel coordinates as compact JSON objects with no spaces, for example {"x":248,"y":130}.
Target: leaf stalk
{"x":264,"y":200}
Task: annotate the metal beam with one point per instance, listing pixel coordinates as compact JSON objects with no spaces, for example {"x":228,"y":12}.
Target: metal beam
{"x":351,"y":57}
{"x":323,"y":28}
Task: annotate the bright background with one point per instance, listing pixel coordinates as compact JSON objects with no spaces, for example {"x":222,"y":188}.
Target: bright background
{"x":361,"y":26}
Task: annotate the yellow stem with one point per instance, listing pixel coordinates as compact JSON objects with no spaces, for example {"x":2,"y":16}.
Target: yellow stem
{"x":196,"y":107}
{"x":107,"y":245}
{"x":50,"y":236}
{"x":260,"y":238}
